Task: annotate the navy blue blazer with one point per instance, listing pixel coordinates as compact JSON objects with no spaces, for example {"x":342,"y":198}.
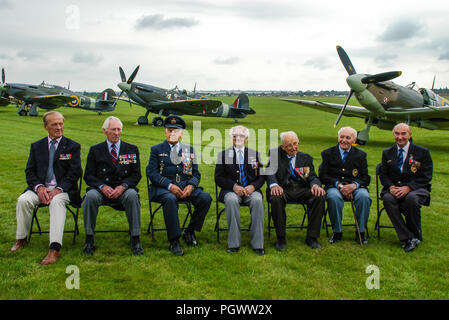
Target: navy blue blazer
{"x":66,"y":166}
{"x":100,"y":170}
{"x":162,"y":171}
{"x":227,"y":171}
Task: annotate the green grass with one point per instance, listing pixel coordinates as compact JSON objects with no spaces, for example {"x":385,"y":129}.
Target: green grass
{"x":208,"y":271}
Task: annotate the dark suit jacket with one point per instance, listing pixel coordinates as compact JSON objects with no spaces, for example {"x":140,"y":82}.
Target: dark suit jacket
{"x":417,"y":168}
{"x":355,"y":168}
{"x":66,"y":166}
{"x":100,"y":170}
{"x":227,"y":171}
{"x":162,"y":171}
{"x":303,"y":163}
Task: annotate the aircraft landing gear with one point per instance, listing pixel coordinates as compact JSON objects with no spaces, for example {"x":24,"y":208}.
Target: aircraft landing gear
{"x":22,"y":113}
{"x":142,"y":121}
{"x":158,"y":122}
{"x":236,"y":121}
{"x":33,"y":111}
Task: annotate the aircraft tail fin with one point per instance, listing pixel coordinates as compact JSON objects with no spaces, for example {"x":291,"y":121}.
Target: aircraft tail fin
{"x":241,"y":104}
{"x":105,"y":100}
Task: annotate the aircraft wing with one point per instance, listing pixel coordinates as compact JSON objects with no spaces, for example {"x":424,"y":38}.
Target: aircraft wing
{"x":423,"y":113}
{"x":53,"y":99}
{"x":351,"y":111}
{"x":194,"y":105}
{"x":127,"y":100}
{"x":4,"y":102}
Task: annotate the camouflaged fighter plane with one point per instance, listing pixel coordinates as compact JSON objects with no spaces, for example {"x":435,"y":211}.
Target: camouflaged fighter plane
{"x":165,"y":102}
{"x":49,"y":97}
{"x":384,"y":103}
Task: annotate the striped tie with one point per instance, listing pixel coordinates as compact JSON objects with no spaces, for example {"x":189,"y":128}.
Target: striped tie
{"x":292,"y":168}
{"x":114,"y":154}
{"x":400,"y":159}
{"x":345,"y":155}
{"x":243,"y":178}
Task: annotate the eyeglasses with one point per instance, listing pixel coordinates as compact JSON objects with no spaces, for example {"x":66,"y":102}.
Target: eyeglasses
{"x":239,"y":135}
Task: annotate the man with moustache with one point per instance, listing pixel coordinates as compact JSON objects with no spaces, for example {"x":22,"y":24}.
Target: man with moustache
{"x":237,"y":173}
{"x":405,"y":175}
{"x":344,"y":172}
{"x":112,"y":174}
{"x":173,"y":172}
{"x":294,"y":179}
{"x":52,"y":173}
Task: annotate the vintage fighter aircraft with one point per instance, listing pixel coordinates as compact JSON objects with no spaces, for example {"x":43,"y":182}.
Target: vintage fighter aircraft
{"x":165,"y":102}
{"x":384,"y":103}
{"x":49,"y":97}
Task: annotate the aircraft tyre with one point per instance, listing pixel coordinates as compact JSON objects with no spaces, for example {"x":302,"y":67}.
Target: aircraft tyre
{"x":142,"y":121}
{"x":360,"y":142}
{"x":22,"y":113}
{"x":158,"y":122}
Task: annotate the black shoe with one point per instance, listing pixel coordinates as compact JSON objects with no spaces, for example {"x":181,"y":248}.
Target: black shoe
{"x":175,"y":248}
{"x":281,"y":244}
{"x":231,"y":250}
{"x":260,"y":252}
{"x":137,"y":249}
{"x":362,"y":235}
{"x":411,"y":244}
{"x":336,"y":236}
{"x":189,"y":238}
{"x":89,"y":249}
{"x":313,"y":243}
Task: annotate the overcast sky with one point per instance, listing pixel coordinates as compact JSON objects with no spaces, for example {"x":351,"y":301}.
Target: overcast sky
{"x":246,"y":45}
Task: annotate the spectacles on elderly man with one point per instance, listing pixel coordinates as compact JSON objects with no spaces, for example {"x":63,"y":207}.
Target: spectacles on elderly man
{"x":239,"y":135}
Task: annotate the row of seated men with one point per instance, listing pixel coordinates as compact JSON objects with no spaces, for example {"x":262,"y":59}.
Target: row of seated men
{"x":112,"y":174}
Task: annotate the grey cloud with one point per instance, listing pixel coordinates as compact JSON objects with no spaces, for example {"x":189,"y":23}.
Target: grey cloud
{"x":227,"y":61}
{"x":158,"y":22}
{"x":401,"y":30}
{"x":444,"y":56}
{"x":88,"y":58}
{"x":4,"y":56}
{"x":30,"y":55}
{"x":5,"y":5}
{"x":320,"y":63}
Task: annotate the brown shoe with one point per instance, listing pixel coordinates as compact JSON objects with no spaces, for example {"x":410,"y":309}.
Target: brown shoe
{"x":51,"y":257}
{"x":20,"y":243}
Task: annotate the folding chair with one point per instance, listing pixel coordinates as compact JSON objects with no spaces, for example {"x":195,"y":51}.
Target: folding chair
{"x":220,"y":212}
{"x":73,"y":208}
{"x":380,"y":209}
{"x":301,"y":226}
{"x":151,"y":228}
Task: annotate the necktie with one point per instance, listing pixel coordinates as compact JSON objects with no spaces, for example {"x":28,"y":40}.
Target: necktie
{"x":51,"y":159}
{"x":400,"y":159}
{"x":114,"y":154}
{"x":345,"y":155}
{"x":292,"y":168}
{"x":243,"y":178}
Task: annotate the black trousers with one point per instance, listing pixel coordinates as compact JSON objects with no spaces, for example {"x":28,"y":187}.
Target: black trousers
{"x":410,"y":207}
{"x":295,"y":191}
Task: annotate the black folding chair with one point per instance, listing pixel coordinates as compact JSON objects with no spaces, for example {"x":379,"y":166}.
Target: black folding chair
{"x":73,"y":208}
{"x":151,"y":228}
{"x":292,"y":226}
{"x":380,"y":208}
{"x":220,"y":212}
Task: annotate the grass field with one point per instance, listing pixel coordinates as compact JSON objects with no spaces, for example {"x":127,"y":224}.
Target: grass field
{"x":208,"y":271}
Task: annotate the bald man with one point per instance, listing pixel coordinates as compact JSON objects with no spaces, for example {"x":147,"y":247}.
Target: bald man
{"x":294,"y":180}
{"x":406,"y":174}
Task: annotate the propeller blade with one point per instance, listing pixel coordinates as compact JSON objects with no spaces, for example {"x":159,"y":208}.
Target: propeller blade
{"x":194,"y":89}
{"x":346,"y":61}
{"x":122,"y":74}
{"x":3,"y":75}
{"x":381,"y":77}
{"x":115,"y":102}
{"x":343,"y":109}
{"x":433,"y":83}
{"x":133,"y":75}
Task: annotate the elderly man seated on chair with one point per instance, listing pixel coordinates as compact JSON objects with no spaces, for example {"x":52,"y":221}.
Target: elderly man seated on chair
{"x":237,"y":173}
{"x":112,"y":174}
{"x":52,"y":173}
{"x":344,"y":172}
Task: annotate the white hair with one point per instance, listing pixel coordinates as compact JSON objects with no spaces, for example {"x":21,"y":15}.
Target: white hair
{"x":108,"y":119}
{"x":244,"y":129}
{"x":402,"y":124}
{"x":288,"y":133}
{"x":354,"y":132}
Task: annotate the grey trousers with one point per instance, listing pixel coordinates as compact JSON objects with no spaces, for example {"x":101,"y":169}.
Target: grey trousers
{"x":129,"y":200}
{"x":256,"y":207}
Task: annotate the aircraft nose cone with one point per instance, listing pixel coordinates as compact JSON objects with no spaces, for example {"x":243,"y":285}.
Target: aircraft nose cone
{"x":355,"y":82}
{"x":124,"y":86}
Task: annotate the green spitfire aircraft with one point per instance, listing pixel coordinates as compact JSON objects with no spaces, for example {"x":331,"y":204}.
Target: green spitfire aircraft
{"x":384,"y":103}
{"x":165,"y":102}
{"x":49,"y":97}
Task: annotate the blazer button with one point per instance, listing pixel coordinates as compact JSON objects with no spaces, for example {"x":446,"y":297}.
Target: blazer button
{"x":343,"y":169}
{"x":107,"y":179}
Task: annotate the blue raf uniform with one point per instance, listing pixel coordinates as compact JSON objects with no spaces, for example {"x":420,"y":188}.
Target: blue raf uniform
{"x":176,"y":165}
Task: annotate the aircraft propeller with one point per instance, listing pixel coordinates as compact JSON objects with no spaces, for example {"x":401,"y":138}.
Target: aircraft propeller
{"x":358,"y":82}
{"x":3,"y":75}
{"x":125,"y":85}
